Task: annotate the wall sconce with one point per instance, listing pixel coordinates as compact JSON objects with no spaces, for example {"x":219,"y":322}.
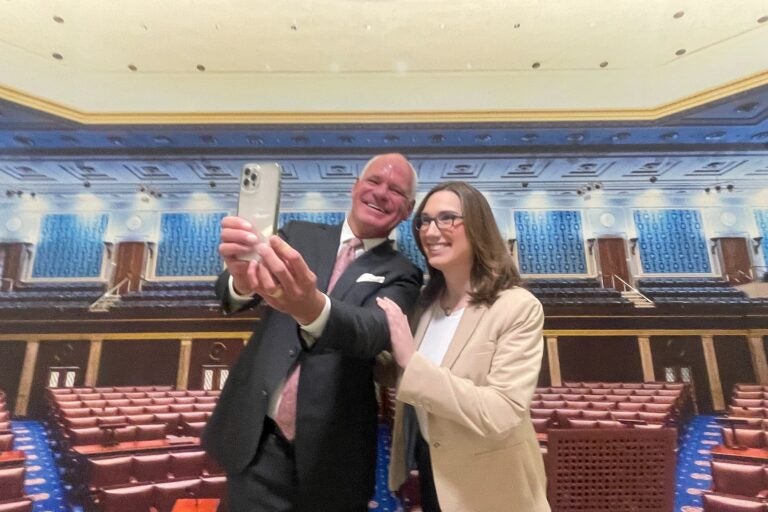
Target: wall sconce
{"x":633,"y":245}
{"x":511,"y":245}
{"x":591,"y":245}
{"x":713,"y":245}
{"x":756,"y":242}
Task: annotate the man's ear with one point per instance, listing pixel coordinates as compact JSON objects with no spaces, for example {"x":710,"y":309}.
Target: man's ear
{"x":410,"y":208}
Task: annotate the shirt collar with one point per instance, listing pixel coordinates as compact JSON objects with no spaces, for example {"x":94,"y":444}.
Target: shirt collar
{"x":368,"y":243}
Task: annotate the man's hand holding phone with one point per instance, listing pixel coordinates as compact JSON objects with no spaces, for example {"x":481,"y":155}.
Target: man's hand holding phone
{"x":237,"y":240}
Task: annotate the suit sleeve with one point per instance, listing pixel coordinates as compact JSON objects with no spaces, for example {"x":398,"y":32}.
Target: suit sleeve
{"x":502,"y":401}
{"x":362,"y":330}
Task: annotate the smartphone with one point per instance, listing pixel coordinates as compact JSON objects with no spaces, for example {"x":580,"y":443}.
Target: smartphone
{"x":259,"y":199}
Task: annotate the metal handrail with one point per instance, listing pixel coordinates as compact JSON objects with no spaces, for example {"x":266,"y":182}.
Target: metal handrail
{"x":111,"y":292}
{"x":628,"y":287}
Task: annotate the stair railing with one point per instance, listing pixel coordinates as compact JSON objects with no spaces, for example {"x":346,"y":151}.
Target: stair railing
{"x":628,"y":287}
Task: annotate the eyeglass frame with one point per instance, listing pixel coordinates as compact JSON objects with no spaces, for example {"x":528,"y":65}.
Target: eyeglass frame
{"x":423,"y":221}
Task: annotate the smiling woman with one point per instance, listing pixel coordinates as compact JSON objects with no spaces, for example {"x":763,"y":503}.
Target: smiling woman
{"x":470,"y":369}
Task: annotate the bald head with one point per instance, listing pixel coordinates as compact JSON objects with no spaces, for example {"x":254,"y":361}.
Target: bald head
{"x":394,"y":161}
{"x":383,"y":196}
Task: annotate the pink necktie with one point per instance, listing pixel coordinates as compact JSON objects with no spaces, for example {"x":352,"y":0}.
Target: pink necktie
{"x":286,"y":410}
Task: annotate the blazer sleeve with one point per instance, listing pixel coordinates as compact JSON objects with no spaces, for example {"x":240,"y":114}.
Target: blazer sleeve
{"x":361,"y":330}
{"x":500,"y":403}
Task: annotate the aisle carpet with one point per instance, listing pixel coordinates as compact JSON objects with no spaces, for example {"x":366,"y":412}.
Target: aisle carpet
{"x":44,"y":486}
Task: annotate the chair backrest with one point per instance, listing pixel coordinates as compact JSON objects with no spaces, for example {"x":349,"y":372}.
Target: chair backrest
{"x":137,"y":498}
{"x":733,"y":478}
{"x":148,"y":432}
{"x":166,"y":494}
{"x":151,"y":468}
{"x":23,"y":505}
{"x":187,"y":464}
{"x":108,"y":472}
{"x":11,"y":483}
{"x":609,"y":469}
{"x":714,"y":502}
{"x":6,"y":442}
{"x":87,"y":435}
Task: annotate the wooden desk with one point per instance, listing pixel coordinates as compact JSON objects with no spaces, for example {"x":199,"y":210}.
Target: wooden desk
{"x":151,"y":445}
{"x":199,"y":505}
{"x":759,"y":455}
{"x":12,"y":458}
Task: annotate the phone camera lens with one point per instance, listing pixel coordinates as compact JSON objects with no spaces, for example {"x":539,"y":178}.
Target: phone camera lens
{"x":246,"y":182}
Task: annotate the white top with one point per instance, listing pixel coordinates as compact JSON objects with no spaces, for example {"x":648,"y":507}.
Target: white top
{"x":434,"y":345}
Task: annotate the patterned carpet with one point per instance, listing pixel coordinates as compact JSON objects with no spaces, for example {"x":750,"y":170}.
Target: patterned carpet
{"x":693,"y":473}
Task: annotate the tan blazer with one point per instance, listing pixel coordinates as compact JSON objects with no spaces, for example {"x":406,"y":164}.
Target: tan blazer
{"x":485,"y":457}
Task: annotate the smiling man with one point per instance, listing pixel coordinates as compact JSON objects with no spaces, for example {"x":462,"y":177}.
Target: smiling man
{"x":295,"y":427}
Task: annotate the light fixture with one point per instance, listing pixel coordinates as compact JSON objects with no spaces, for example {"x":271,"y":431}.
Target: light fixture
{"x":713,"y":245}
{"x":756,"y":242}
{"x":591,"y":245}
{"x":511,"y":244}
{"x":633,"y":245}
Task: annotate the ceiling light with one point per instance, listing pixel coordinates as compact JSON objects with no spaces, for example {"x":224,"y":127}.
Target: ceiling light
{"x":536,"y":65}
{"x":680,"y":52}
{"x":132,"y":67}
{"x":200,"y":67}
{"x":678,"y":15}
{"x":58,"y":19}
{"x":762,"y":19}
{"x":57,"y":56}
{"x":604,"y":64}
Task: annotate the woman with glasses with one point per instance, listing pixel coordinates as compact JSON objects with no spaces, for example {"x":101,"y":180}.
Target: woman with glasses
{"x":469,"y":371}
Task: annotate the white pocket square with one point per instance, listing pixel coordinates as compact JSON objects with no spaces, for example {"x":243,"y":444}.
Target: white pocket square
{"x":370,"y":278}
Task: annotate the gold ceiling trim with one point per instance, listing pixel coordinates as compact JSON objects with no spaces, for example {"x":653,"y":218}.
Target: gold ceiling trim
{"x":473,"y":116}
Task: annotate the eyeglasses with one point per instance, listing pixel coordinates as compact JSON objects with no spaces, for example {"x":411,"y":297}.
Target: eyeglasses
{"x":443,"y":220}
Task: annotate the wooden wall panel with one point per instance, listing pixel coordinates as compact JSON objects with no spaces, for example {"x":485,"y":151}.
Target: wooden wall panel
{"x":734,"y":362}
{"x":683,"y":351}
{"x":224,"y":351}
{"x":55,"y":353}
{"x":607,"y":358}
{"x":11,"y":361}
{"x":139,"y":362}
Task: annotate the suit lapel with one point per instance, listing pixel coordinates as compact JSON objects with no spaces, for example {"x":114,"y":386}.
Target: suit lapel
{"x":467,"y":325}
{"x":366,"y":262}
{"x":326,"y":256}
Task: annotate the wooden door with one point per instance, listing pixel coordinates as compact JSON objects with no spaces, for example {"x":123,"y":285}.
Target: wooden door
{"x":612,"y":260}
{"x":13,"y":259}
{"x":735,"y":262}
{"x":130,"y":261}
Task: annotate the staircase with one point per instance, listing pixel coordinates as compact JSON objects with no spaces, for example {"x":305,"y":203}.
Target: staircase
{"x":638,"y":299}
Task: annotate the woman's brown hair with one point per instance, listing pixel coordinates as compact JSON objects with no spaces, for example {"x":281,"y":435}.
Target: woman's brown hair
{"x":492,"y":269}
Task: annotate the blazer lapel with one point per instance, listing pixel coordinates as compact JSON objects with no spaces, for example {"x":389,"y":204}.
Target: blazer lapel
{"x":467,"y":325}
{"x":326,"y":256}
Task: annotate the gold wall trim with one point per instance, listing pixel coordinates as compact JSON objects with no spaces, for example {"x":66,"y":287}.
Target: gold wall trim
{"x":127,"y":336}
{"x":165,"y":335}
{"x":472,"y":116}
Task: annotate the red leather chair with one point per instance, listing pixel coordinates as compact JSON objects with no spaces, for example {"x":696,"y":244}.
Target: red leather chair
{"x":11,"y":483}
{"x":166,"y":494}
{"x":213,"y":487}
{"x":23,"y":505}
{"x":151,"y":468}
{"x":187,"y":464}
{"x":136,"y":498}
{"x":714,"y":502}
{"x":740,"y":479}
{"x":6,"y":442}
{"x":108,"y":472}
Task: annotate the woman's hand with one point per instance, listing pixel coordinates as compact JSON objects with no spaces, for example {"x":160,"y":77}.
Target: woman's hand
{"x":399,"y":331}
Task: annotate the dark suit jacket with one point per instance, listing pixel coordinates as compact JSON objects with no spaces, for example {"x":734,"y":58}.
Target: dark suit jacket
{"x":335,"y":444}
